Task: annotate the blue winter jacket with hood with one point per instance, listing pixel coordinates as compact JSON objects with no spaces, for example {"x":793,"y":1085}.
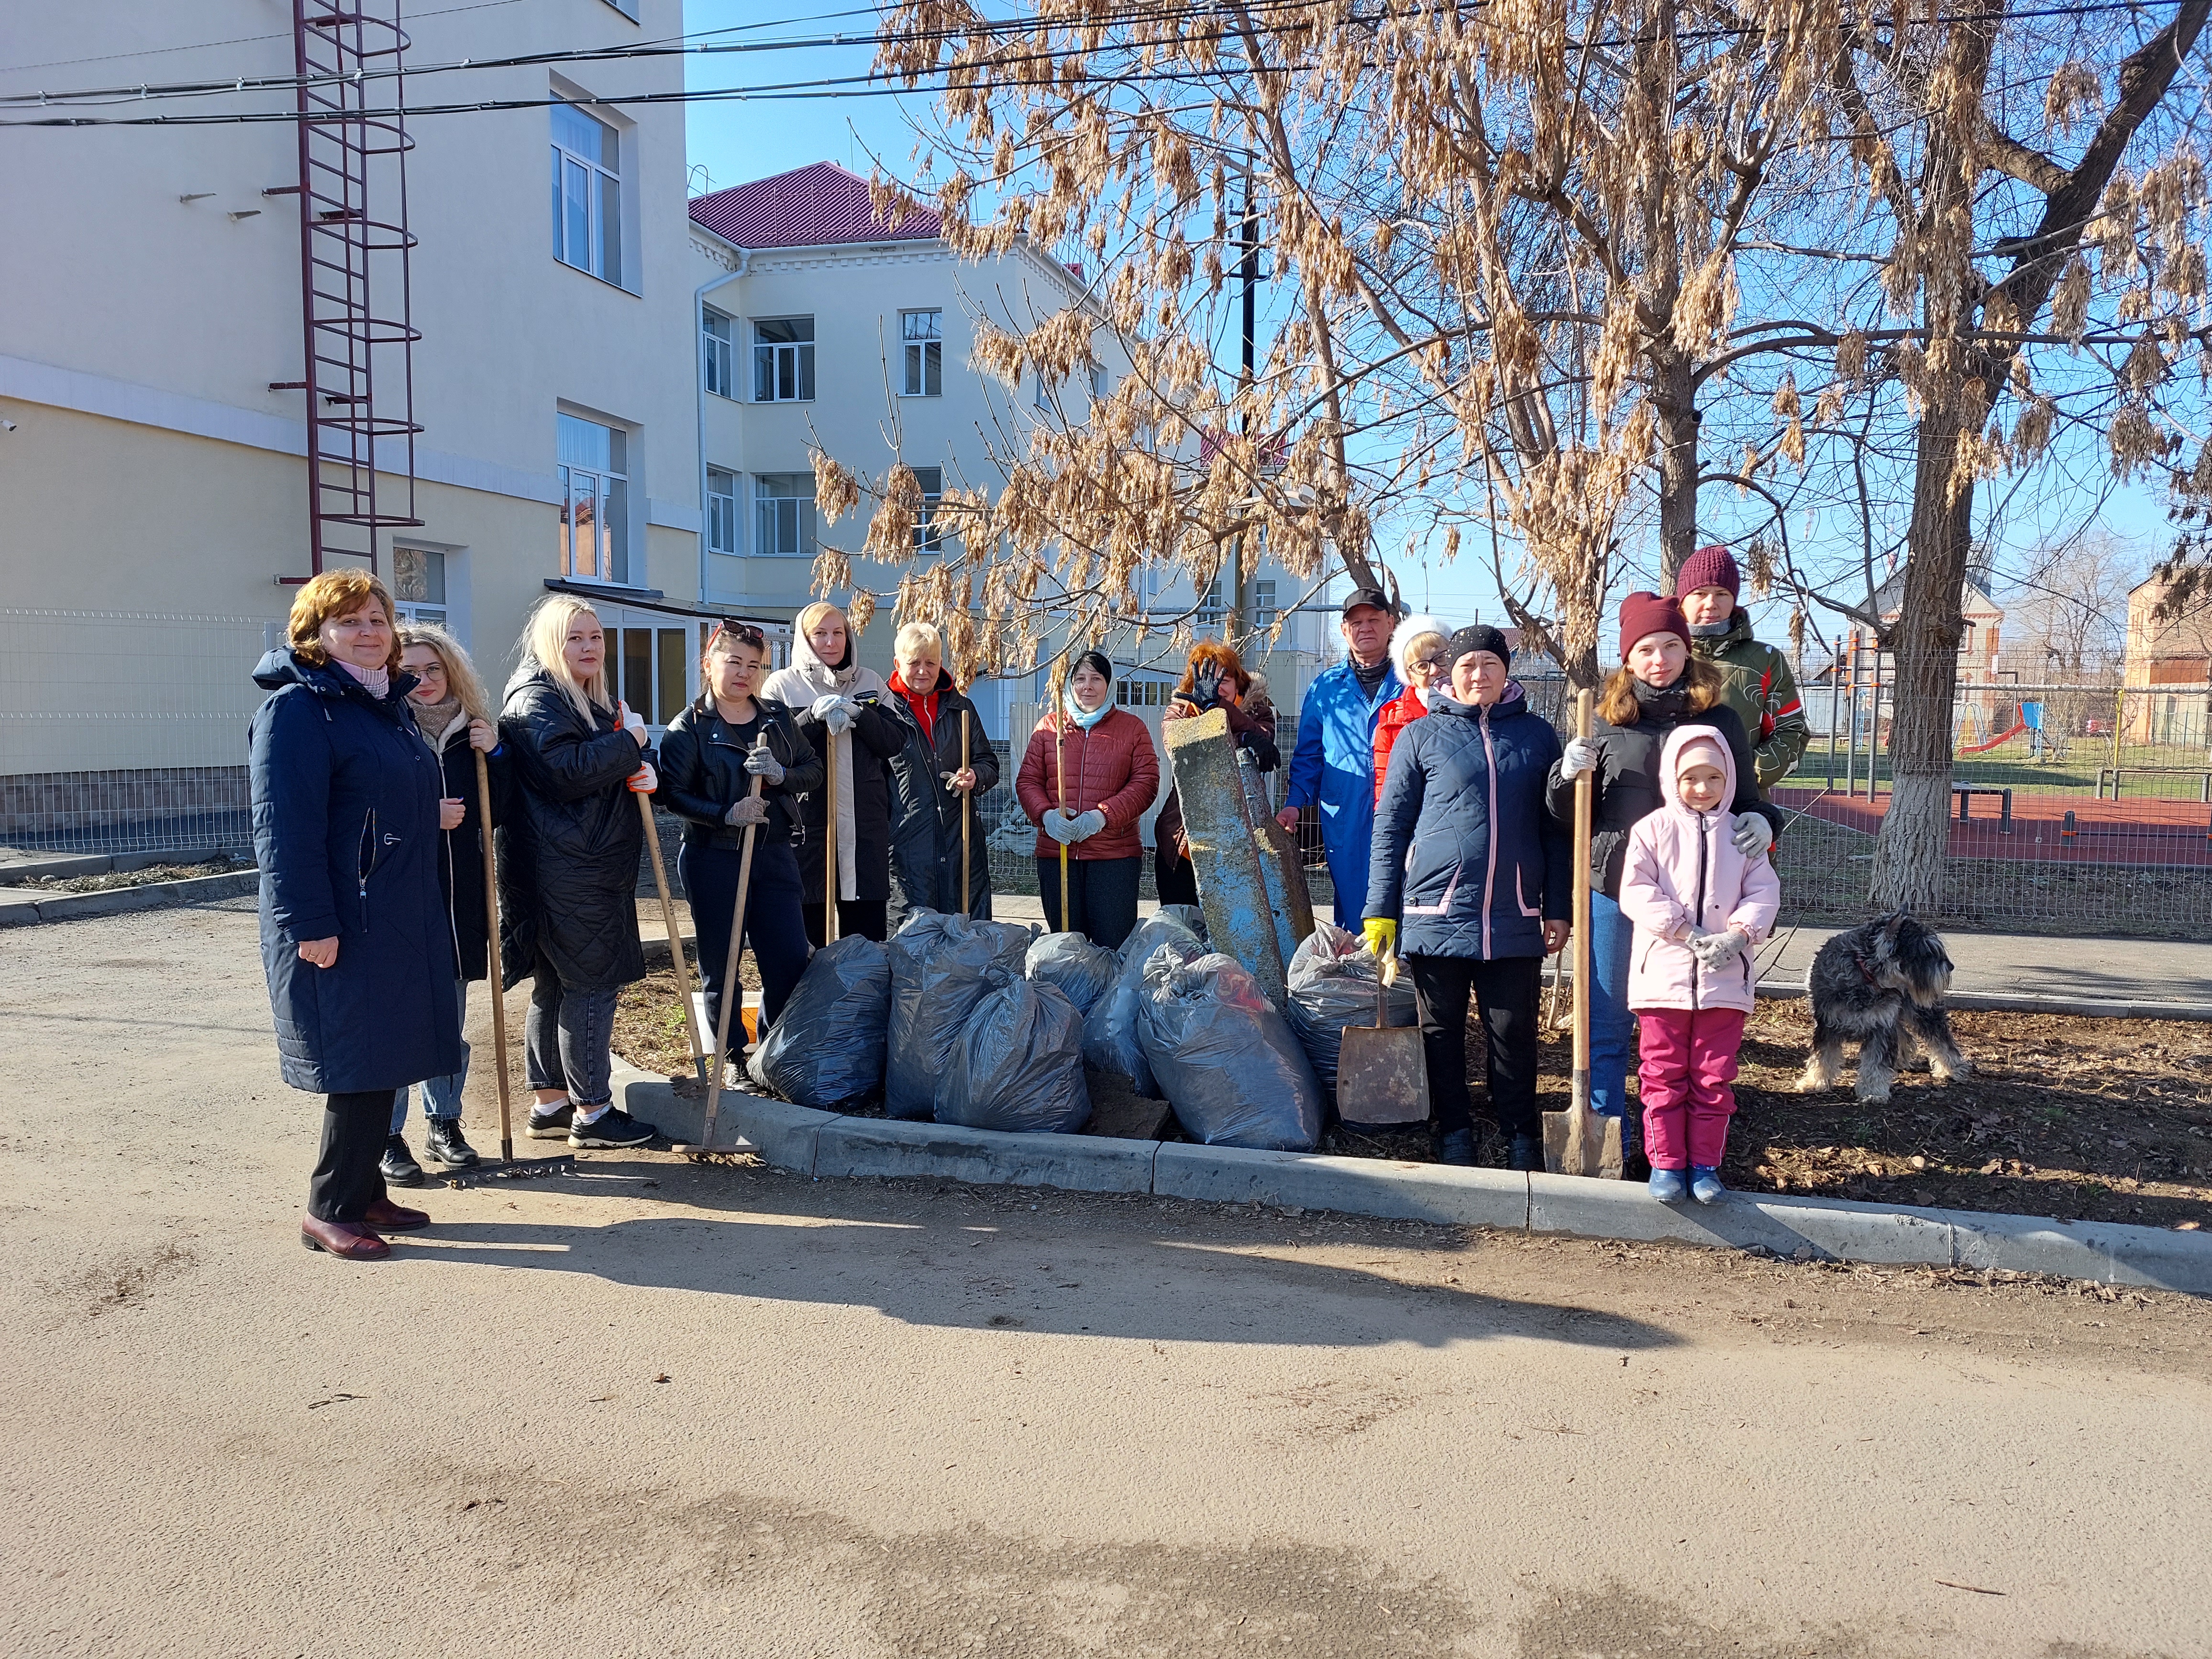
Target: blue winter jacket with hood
{"x":1463,"y":846}
{"x":345,"y":829}
{"x":1333,"y":768}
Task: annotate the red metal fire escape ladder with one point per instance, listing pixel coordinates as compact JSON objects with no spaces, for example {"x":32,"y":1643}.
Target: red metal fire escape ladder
{"x":355,"y":304}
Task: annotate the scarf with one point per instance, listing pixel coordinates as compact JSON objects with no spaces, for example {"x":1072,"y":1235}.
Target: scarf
{"x":1662,"y":702}
{"x":1086,"y":718}
{"x":1370,"y":679}
{"x":377,"y":682}
{"x":807,"y":678}
{"x":434,"y":720}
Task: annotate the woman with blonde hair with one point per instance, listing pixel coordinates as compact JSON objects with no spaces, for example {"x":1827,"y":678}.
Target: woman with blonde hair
{"x":930,"y":791}
{"x":1658,"y":687}
{"x":454,"y":716}
{"x":569,"y":883}
{"x":839,"y":705}
{"x":1214,"y":677}
{"x":354,"y":933}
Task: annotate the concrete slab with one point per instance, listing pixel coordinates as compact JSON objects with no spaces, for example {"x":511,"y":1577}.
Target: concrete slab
{"x":1799,"y":1228}
{"x":18,"y":911}
{"x":1355,"y":1186}
{"x":154,"y":896}
{"x":884,"y":1146}
{"x":34,"y":866}
{"x":2106,"y":1251}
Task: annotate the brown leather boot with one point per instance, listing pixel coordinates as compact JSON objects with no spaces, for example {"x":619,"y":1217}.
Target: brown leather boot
{"x":341,"y":1238}
{"x":385,"y":1217}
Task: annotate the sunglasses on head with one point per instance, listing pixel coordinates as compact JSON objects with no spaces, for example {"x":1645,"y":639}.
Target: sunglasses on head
{"x":742,"y":633}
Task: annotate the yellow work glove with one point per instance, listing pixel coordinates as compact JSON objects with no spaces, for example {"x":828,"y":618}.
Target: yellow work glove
{"x":1381,"y":935}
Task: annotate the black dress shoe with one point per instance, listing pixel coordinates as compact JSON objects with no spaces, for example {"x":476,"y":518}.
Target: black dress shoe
{"x":343,"y":1238}
{"x":441,"y":1140}
{"x":1456,"y":1148}
{"x":385,"y":1217}
{"x":398,"y":1164}
{"x":1528,"y":1154}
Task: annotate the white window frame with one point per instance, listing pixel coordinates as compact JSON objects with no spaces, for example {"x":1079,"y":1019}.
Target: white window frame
{"x":1210,"y":610}
{"x":922,"y":354}
{"x":1264,"y":610}
{"x":605,"y":489}
{"x":717,"y":353}
{"x":769,"y":540}
{"x":928,"y":534}
{"x":775,"y":356}
{"x":601,"y":255}
{"x":721,"y":510}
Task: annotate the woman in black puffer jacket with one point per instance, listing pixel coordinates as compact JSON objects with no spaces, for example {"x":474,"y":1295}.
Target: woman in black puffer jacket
{"x":569,"y":879}
{"x":707,"y":764}
{"x":1658,"y":687}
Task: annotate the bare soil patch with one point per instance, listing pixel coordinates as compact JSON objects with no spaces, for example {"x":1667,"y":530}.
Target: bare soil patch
{"x":649,"y":1020}
{"x":220,"y":866}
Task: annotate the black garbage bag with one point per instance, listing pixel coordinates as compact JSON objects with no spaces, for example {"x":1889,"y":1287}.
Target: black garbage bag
{"x":1109,"y":1030}
{"x":1073,"y":966}
{"x":826,"y":1048}
{"x":1333,"y":977}
{"x":940,"y":969}
{"x":1019,"y":1064}
{"x":1188,"y":914}
{"x":1231,"y":1069}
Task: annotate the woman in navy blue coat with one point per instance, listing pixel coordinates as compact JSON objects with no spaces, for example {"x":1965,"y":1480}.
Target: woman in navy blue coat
{"x":354,"y":936}
{"x":1463,"y":846}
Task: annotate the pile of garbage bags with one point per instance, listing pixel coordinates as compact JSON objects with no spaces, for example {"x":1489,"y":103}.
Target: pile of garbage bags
{"x":1079,"y":971}
{"x":826,"y":1048}
{"x":1018,"y":1064}
{"x":1109,"y":1028}
{"x":1333,"y":978}
{"x":940,"y":969}
{"x":1226,"y":1061}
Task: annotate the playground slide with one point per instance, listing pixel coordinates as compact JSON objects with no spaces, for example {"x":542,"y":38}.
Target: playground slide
{"x":2018,"y":727}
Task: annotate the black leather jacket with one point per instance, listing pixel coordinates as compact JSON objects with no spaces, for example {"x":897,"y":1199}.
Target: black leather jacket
{"x":702,"y":773}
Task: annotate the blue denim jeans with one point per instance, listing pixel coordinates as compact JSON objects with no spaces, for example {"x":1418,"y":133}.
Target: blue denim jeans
{"x":1613,"y":1027}
{"x":441,"y":1096}
{"x":565,"y":1040}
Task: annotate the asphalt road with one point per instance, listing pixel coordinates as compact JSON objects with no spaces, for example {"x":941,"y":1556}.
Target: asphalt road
{"x":724,"y":1411}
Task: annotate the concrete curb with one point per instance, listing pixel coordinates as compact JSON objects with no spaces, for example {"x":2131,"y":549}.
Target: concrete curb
{"x":827,"y":1145}
{"x":20,"y":909}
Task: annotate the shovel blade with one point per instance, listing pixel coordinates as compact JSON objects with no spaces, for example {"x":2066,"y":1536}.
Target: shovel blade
{"x":1589,"y":1147}
{"x":1382,"y":1076}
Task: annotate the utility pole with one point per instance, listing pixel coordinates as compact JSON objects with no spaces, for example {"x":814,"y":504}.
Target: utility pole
{"x":1236,"y":578}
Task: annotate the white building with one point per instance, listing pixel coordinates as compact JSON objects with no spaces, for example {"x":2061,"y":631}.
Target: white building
{"x":151,"y":349}
{"x":822,"y":327}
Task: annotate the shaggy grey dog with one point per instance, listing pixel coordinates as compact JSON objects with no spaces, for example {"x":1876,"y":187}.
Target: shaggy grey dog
{"x":1883,"y":984}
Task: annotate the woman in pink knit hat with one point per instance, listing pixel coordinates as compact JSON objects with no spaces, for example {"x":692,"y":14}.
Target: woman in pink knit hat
{"x":1658,"y":687}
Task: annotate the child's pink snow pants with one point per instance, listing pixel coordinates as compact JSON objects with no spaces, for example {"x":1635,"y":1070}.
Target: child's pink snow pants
{"x":1687,"y":1065}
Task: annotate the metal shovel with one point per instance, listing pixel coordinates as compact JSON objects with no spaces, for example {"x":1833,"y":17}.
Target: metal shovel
{"x":1382,"y":1070}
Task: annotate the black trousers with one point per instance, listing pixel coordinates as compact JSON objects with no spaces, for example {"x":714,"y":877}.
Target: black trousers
{"x":773,"y":927}
{"x":1102,"y":897}
{"x":867,"y":917}
{"x":346,"y":1179}
{"x":1173,"y":877}
{"x":1505,"y":991}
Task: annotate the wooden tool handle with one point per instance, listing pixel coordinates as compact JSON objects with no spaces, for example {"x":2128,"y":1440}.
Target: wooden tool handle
{"x":675,"y":936}
{"x":829,"y":838}
{"x":498,"y":973}
{"x":733,"y":992}
{"x":1585,"y":790}
{"x":964,"y":796}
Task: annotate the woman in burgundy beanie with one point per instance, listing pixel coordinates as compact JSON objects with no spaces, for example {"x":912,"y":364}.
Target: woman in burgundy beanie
{"x":1658,"y":686}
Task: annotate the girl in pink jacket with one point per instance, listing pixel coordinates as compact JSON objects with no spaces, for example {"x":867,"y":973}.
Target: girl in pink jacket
{"x":1700,"y":908}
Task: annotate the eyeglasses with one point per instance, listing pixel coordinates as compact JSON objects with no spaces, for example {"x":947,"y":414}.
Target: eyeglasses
{"x":742,"y":633}
{"x":1436,"y":662}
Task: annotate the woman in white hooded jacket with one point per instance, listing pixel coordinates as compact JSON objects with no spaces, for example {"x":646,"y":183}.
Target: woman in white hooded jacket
{"x":837,"y":704}
{"x":1417,"y":647}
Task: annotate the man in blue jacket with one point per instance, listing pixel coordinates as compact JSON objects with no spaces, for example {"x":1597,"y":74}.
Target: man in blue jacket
{"x":1334,"y":766}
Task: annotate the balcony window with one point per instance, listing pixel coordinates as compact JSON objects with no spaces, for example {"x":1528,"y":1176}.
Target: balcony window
{"x":783,"y":361}
{"x":783,"y":515}
{"x":717,"y":352}
{"x":721,"y":511}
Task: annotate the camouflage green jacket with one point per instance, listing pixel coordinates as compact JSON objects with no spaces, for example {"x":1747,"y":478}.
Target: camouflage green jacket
{"x":1764,"y":694}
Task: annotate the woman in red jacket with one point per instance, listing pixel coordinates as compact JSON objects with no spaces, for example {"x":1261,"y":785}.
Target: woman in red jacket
{"x":1106,"y":756}
{"x":1418,"y":648}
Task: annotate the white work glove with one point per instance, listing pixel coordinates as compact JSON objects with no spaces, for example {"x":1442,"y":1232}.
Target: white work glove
{"x":833,"y":712}
{"x":644,"y":781}
{"x":1752,"y":834}
{"x":761,"y":764}
{"x":632,"y":722}
{"x":1716,"y":951}
{"x":752,"y":809}
{"x":1088,"y":824}
{"x":1580,"y":756}
{"x":1059,"y":825}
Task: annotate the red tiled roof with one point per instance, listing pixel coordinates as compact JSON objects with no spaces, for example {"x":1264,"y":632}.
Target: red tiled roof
{"x":809,"y":207}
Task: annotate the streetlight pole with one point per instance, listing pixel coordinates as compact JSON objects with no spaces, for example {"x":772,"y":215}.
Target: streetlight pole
{"x":1237,"y":585}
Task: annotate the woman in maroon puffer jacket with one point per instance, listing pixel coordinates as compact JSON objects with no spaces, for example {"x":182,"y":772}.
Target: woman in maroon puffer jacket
{"x":1112,"y":776}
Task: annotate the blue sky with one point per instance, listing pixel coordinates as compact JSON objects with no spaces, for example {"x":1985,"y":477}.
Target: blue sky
{"x":740,"y":139}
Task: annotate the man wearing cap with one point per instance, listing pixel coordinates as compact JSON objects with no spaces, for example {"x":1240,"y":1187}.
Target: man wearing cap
{"x":1333,"y":765}
{"x":1761,"y":687}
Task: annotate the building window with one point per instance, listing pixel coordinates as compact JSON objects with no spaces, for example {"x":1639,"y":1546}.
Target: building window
{"x":714,"y":343}
{"x":594,"y":482}
{"x":922,"y":335}
{"x":783,"y":515}
{"x":627,"y":8}
{"x":418,"y":585}
{"x":1210,"y":609}
{"x":1263,"y":602}
{"x":783,"y":361}
{"x":650,"y":668}
{"x":721,"y":511}
{"x":928,"y":534}
{"x":586,"y":193}
{"x":1044,"y":392}
{"x":1098,"y":382}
